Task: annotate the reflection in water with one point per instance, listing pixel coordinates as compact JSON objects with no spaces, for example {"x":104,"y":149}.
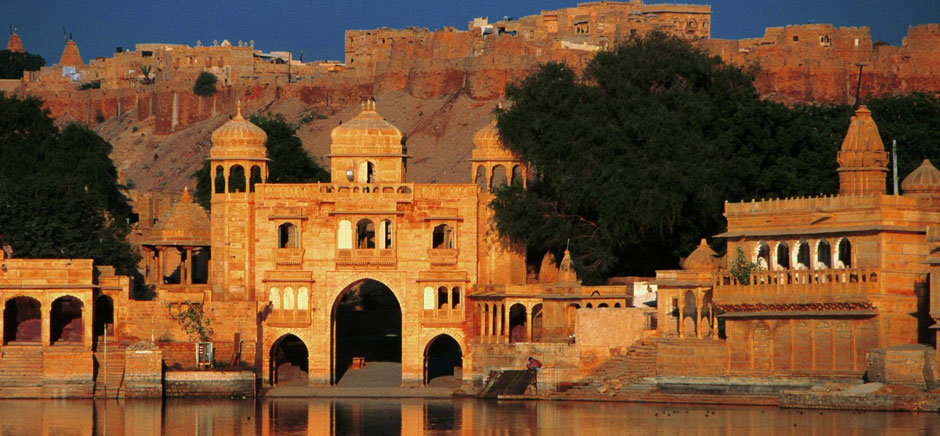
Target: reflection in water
{"x":335,"y":417}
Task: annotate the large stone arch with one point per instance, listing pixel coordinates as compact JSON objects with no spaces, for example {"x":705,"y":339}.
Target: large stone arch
{"x":22,"y":319}
{"x":377,"y":336}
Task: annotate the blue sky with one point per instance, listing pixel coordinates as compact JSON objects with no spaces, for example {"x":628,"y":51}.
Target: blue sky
{"x":316,"y":26}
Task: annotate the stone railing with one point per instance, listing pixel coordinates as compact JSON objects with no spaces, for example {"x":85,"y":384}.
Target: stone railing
{"x":818,"y":285}
{"x":400,"y":191}
{"x":366,"y":257}
{"x":814,"y":203}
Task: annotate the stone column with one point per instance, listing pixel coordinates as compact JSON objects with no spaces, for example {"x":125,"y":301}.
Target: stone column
{"x":188,"y":267}
{"x":681,"y":309}
{"x":45,"y":314}
{"x":482,"y":318}
{"x":698,"y":314}
{"x":506,"y":325}
{"x":528,"y":325}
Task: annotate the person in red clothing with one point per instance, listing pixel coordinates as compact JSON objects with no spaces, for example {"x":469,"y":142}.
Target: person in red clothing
{"x":533,"y":364}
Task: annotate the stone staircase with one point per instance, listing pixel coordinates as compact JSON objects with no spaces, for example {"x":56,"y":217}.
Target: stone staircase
{"x":109,"y":372}
{"x":21,"y":372}
{"x":620,"y":374}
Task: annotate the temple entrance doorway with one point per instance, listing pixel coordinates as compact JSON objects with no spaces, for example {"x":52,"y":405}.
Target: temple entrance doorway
{"x":366,"y":321}
{"x":289,"y":360}
{"x":443,"y":362}
{"x":22,"y":320}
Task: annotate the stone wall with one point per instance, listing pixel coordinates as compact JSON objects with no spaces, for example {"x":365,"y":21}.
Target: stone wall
{"x":691,"y":357}
{"x":209,"y":384}
{"x":143,"y":373}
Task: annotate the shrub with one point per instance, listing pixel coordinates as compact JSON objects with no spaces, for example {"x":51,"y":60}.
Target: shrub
{"x":205,"y":84}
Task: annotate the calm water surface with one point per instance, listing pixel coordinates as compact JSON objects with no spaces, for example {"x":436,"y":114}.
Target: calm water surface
{"x":317,"y":416}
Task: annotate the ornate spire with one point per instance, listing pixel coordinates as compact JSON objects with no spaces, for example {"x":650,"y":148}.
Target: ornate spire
{"x":862,"y":160}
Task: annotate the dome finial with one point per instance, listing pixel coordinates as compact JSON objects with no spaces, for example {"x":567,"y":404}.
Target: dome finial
{"x":238,"y":106}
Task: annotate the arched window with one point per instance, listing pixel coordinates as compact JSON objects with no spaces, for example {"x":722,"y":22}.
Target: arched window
{"x":385,"y":234}
{"x":236,"y":179}
{"x":344,"y":235}
{"x":366,"y":172}
{"x":517,"y":176}
{"x":22,"y":320}
{"x":219,"y":180}
{"x":428,"y":298}
{"x":365,"y":234}
{"x":499,"y":177}
{"x":255,"y":178}
{"x":303,"y":298}
{"x":442,"y":297}
{"x":844,"y":259}
{"x":443,"y":237}
{"x":287,"y":236}
{"x":783,"y":255}
{"x":602,"y":305}
{"x":762,"y":257}
{"x":288,"y":298}
{"x":481,"y":178}
{"x":455,"y":298}
{"x":801,"y":259}
{"x":823,"y":255}
{"x":517,"y":323}
{"x":274,"y":296}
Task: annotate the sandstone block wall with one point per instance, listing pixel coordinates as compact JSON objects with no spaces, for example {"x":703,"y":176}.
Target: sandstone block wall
{"x":209,"y":384}
{"x":143,"y":373}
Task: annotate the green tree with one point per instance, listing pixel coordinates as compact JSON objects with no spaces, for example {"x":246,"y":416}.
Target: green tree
{"x":289,"y":163}
{"x":12,"y":64}
{"x":635,"y":158}
{"x":59,"y":195}
{"x":205,"y":84}
{"x":914,"y":121}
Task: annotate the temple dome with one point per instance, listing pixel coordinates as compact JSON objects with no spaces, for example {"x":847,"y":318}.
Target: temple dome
{"x":702,"y":258}
{"x":238,"y":139}
{"x":488,"y":137}
{"x":367,"y":129}
{"x":923,"y":180}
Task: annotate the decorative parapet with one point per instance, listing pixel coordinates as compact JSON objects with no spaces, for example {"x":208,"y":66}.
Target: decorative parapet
{"x":443,"y":316}
{"x":288,"y":256}
{"x":816,"y":203}
{"x":852,"y":285}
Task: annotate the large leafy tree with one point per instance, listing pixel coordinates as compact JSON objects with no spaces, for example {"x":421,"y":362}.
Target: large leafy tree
{"x":635,"y":158}
{"x":12,"y":64}
{"x":59,"y":195}
{"x":289,"y":163}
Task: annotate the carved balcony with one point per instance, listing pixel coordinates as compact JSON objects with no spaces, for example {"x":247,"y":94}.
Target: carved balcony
{"x":442,"y":256}
{"x":288,"y":318}
{"x":443,"y":316}
{"x":289,"y":257}
{"x":366,"y":257}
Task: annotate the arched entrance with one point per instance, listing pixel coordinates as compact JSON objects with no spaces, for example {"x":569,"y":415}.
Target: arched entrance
{"x":289,"y":361}
{"x":366,"y":322}
{"x":442,"y":357}
{"x":65,"y":321}
{"x":22,"y":320}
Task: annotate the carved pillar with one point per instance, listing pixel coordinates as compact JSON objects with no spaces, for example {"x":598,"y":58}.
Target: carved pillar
{"x":698,"y":313}
{"x":681,"y":309}
{"x":528,"y":324}
{"x":504,"y":328}
{"x":188,"y":267}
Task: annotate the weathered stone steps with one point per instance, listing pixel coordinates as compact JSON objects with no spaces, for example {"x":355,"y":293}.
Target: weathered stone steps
{"x":109,"y":377}
{"x":21,"y":367}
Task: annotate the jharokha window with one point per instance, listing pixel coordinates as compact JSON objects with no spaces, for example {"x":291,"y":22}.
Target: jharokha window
{"x":443,"y":237}
{"x":288,"y":236}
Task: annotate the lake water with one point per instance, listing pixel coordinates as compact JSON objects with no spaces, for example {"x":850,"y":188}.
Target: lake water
{"x":374,"y":417}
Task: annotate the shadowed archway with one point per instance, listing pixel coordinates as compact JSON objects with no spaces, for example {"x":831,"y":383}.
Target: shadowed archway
{"x":442,"y":358}
{"x":366,"y":321}
{"x":289,"y":360}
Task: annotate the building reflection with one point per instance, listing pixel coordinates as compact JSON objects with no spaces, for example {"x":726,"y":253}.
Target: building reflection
{"x":414,"y":417}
